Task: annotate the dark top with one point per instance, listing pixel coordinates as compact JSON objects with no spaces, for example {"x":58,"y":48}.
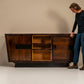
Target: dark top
{"x":79,"y":19}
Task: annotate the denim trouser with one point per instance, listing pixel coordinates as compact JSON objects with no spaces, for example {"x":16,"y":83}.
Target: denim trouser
{"x":79,"y":41}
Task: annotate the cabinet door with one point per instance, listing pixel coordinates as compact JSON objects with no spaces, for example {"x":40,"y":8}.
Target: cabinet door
{"x":41,"y":47}
{"x":62,"y":49}
{"x":19,"y":47}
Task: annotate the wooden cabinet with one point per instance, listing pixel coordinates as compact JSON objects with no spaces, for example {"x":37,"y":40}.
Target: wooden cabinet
{"x":37,"y":50}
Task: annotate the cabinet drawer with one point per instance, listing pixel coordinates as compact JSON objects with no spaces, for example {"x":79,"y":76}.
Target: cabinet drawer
{"x":62,"y":43}
{"x":19,"y":41}
{"x":41,"y":55}
{"x":20,"y":55}
{"x":41,"y":42}
{"x":62,"y":54}
{"x":62,"y":40}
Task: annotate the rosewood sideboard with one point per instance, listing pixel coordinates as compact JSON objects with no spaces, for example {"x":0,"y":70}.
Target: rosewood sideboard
{"x":40,"y":50}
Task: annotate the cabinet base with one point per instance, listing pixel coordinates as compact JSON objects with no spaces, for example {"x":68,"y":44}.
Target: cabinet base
{"x":41,"y":64}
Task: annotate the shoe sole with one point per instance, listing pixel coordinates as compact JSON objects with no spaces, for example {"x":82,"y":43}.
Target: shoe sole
{"x":81,"y":69}
{"x":72,"y":68}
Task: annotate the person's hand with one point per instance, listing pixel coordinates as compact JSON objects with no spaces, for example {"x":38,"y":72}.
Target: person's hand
{"x":72,"y":35}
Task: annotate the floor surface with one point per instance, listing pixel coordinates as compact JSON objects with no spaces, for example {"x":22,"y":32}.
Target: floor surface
{"x":28,"y":75}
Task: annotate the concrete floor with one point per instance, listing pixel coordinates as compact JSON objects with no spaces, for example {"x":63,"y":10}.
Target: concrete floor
{"x":53,"y":75}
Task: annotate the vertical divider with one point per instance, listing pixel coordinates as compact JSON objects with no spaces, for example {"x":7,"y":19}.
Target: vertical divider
{"x":31,"y":47}
{"x":52,"y":45}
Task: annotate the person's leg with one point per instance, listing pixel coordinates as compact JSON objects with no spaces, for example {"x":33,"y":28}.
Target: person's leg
{"x":76,"y":48}
{"x":82,"y":45}
{"x":76,"y":52}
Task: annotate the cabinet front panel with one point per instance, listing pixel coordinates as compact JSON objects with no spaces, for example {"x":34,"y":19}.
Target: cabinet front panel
{"x":61,"y":54}
{"x":62,"y":49}
{"x":20,"y":55}
{"x":18,"y":40}
{"x":41,"y":42}
{"x":41,"y":55}
{"x":19,"y":47}
{"x":62,"y":43}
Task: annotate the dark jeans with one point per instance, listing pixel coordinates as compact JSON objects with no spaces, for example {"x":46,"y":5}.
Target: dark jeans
{"x":79,"y":41}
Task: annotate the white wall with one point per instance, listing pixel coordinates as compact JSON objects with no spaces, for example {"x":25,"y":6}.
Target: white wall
{"x":34,"y":16}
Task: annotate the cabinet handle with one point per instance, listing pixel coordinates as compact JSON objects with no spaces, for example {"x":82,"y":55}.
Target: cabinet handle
{"x":70,"y":47}
{"x":23,"y":46}
{"x":10,"y":42}
{"x":54,"y":46}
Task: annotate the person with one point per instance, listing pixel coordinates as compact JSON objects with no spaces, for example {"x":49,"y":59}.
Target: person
{"x":79,"y":40}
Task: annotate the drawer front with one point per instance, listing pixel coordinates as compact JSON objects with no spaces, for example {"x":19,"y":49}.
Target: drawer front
{"x":62,"y":43}
{"x":19,"y":41}
{"x":41,"y":42}
{"x":41,"y":55}
{"x":20,"y":55}
{"x":62,"y":54}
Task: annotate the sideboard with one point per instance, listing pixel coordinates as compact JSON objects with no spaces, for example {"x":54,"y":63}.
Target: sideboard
{"x":40,"y":50}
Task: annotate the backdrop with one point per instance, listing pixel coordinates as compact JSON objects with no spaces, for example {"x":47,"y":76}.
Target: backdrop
{"x":34,"y":16}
